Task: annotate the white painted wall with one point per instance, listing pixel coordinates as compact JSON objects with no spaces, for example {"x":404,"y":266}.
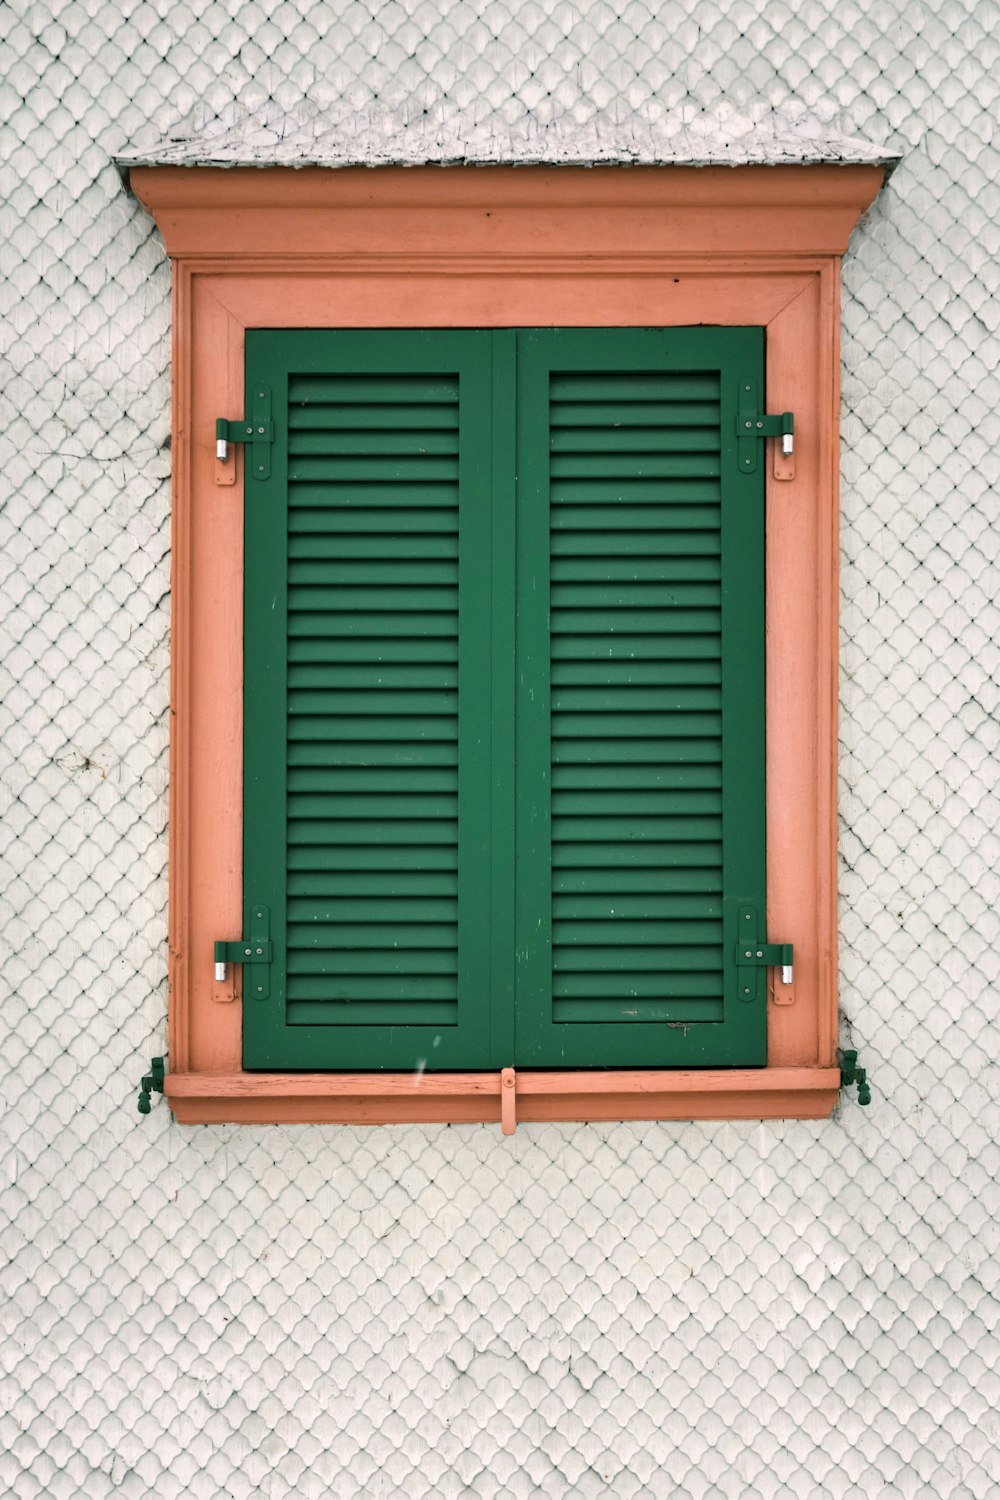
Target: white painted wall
{"x":769,"y":1311}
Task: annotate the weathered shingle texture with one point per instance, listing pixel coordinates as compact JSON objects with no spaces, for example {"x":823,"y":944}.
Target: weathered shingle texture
{"x":762,"y":1312}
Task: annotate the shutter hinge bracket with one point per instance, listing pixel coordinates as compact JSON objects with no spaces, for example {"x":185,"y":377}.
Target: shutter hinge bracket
{"x":256,"y":430}
{"x":752,"y":424}
{"x":151,"y":1084}
{"x":850,"y":1074}
{"x":254,"y":953}
{"x":753,"y":954}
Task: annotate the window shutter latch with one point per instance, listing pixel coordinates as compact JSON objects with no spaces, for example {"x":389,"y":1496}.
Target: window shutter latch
{"x":753,"y":954}
{"x":752,"y":424}
{"x":254,"y":953}
{"x":255,"y":430}
{"x":151,"y":1084}
{"x":850,"y":1073}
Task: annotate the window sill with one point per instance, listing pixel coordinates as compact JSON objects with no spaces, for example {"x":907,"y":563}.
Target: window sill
{"x":461,"y":1098}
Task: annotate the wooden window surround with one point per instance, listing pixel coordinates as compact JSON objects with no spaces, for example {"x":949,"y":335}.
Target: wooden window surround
{"x":498,"y":247}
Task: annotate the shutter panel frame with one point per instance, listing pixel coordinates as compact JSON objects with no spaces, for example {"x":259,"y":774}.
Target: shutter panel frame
{"x":287,"y":1033}
{"x":661,"y":1034}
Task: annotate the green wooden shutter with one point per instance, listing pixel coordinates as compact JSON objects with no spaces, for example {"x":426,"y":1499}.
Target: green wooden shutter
{"x":640,"y":741}
{"x":367,"y":727}
{"x":415,"y":822}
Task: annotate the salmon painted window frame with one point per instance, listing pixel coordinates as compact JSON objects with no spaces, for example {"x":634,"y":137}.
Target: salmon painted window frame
{"x":491,"y":248}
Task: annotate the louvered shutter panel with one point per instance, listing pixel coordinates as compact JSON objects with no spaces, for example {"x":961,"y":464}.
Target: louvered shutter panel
{"x":437,"y":797}
{"x":367,"y":702}
{"x":640,"y":739}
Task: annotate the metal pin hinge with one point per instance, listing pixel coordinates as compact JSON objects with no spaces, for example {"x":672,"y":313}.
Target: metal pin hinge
{"x":754,"y":954}
{"x":768,"y":956}
{"x":752,"y":424}
{"x":254,"y":953}
{"x":151,"y":1084}
{"x":850,"y":1074}
{"x":255,"y":430}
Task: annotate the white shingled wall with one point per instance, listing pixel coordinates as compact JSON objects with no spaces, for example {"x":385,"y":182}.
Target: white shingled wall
{"x":774,"y":1311}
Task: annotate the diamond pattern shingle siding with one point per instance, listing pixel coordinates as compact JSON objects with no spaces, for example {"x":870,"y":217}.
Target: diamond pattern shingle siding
{"x":695,"y":1311}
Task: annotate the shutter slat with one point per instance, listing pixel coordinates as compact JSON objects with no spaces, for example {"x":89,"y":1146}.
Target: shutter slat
{"x":649,"y":778}
{"x":373,"y":677}
{"x":679,"y":1012}
{"x":645,"y":880}
{"x":388,"y":938}
{"x":611,"y":390}
{"x":599,"y":827}
{"x":391,"y":416}
{"x":372,"y":754}
{"x":623,"y":597}
{"x":623,"y":413}
{"x":389,"y":476}
{"x":613,"y":750}
{"x":619,"y":725}
{"x":580,"y":542}
{"x":374,"y":443}
{"x":381,"y":572}
{"x":402,"y":703}
{"x":368,"y":491}
{"x":672,"y":621}
{"x":686,"y":984}
{"x":382,"y":1011}
{"x":628,"y":907}
{"x":372,"y":626}
{"x":602,"y":646}
{"x":346,"y":652}
{"x":319,"y":885}
{"x":596,"y":854}
{"x":321,"y":730}
{"x":376,"y":390}
{"x":634,"y":699}
{"x":344,"y":833}
{"x":383,"y":600}
{"x":621,"y":467}
{"x":590,"y":943}
{"x":639,"y":804}
{"x":629,"y":570}
{"x":357,"y":909}
{"x":344,"y":549}
{"x":390,"y":805}
{"x":625,"y":519}
{"x":668,"y":675}
{"x":383,"y":780}
{"x":658,"y":441}
{"x":363,"y":519}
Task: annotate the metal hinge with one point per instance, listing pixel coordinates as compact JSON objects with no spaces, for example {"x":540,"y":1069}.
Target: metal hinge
{"x":753,"y":955}
{"x":850,"y":1073}
{"x":151,"y":1084}
{"x":254,"y":953}
{"x":256,"y":430}
{"x":752,"y":424}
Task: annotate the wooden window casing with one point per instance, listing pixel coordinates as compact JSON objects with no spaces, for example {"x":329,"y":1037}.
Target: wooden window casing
{"x":502,"y":247}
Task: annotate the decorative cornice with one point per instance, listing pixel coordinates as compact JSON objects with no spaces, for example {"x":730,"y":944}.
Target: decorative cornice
{"x":394,"y":214}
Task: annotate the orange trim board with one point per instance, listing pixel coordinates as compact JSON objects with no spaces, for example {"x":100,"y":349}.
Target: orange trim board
{"x":502,"y":247}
